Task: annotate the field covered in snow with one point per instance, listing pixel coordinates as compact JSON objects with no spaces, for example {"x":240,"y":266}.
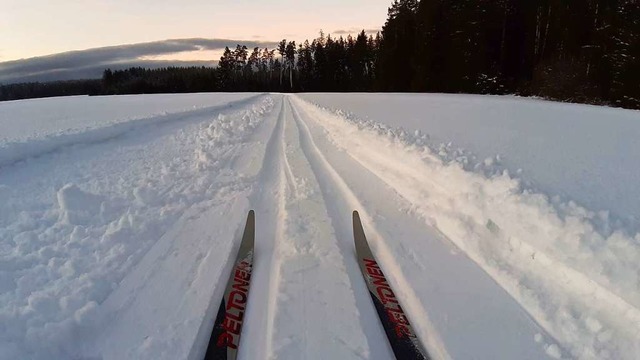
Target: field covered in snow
{"x":508,"y":227}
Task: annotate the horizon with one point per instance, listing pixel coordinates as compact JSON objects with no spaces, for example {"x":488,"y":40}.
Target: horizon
{"x":90,"y":63}
{"x":40,"y":28}
{"x":50,"y":42}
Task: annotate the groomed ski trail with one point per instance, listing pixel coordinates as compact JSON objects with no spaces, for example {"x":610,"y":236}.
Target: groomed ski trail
{"x":421,"y":276}
{"x":498,"y":228}
{"x":145,"y":221}
{"x":267,"y":200}
{"x":306,"y":294}
{"x":339,"y":202}
{"x":308,"y":299}
{"x":167,"y":200}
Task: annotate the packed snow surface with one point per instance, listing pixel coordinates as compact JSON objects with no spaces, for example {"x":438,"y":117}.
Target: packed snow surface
{"x":507,"y":227}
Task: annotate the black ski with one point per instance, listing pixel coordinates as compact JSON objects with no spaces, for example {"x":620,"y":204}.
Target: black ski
{"x":403,"y":340}
{"x":225,"y":337}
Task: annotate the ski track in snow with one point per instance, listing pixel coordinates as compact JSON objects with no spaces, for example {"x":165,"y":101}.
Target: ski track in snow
{"x":540,"y":254}
{"x":116,"y":243}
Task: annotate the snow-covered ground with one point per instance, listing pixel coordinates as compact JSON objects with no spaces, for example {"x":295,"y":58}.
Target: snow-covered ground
{"x":48,"y":124}
{"x":587,"y":154}
{"x":119,"y":222}
{"x":41,"y":118}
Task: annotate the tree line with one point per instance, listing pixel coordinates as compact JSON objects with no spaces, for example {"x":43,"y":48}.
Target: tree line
{"x":323,"y":64}
{"x":568,"y":50}
{"x":571,"y":50}
{"x":48,"y":89}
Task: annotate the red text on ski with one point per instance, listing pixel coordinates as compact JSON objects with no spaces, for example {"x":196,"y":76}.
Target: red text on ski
{"x":388,"y":298}
{"x":236,"y":304}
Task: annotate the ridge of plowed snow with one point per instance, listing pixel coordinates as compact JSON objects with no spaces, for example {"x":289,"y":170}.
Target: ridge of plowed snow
{"x":584,"y":153}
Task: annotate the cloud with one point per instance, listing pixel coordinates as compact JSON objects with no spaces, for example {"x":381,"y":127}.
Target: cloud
{"x":95,"y":71}
{"x":90,"y":63}
{"x":355,"y":31}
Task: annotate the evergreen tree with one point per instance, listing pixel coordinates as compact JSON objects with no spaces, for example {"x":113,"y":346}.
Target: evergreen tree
{"x":290,"y":54}
{"x":397,"y":51}
{"x":282,"y":50}
{"x":305,"y":66}
{"x":574,"y":50}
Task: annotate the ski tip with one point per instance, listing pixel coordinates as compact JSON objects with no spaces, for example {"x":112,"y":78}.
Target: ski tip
{"x":251,"y":217}
{"x":356,"y":218}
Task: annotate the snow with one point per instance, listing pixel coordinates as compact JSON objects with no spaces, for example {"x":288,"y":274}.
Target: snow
{"x":35,"y":127}
{"x":78,"y":222}
{"x":120,"y":218}
{"x":572,"y":269}
{"x":38,"y":118}
{"x":587,"y":154}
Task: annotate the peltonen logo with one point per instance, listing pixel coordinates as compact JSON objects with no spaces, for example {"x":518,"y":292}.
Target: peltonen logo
{"x":236,"y":304}
{"x":388,"y":299}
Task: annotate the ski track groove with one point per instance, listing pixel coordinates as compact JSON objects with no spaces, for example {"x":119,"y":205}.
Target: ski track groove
{"x":308,"y":257}
{"x":281,"y":260}
{"x":292,"y":187}
{"x":373,"y":331}
{"x":573,"y":281}
{"x":392,"y":269}
{"x":335,"y":188}
{"x":143,"y":278}
{"x":267,"y":196}
{"x":292,"y":285}
{"x":284,"y":182}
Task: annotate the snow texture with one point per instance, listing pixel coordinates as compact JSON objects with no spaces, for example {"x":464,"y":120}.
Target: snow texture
{"x":588,"y":154}
{"x":574,"y":270}
{"x":120,"y":221}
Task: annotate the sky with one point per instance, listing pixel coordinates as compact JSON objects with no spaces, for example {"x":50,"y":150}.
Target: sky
{"x":44,"y":40}
{"x":43,"y":27}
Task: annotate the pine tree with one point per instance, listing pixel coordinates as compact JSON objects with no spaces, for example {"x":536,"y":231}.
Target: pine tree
{"x":305,"y":66}
{"x":282,"y":49}
{"x":320,"y":69}
{"x":227,"y":68}
{"x":397,"y":51}
{"x":290,"y":53}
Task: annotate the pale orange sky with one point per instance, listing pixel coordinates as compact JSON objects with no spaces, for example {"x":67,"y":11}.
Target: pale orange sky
{"x":41,"y":27}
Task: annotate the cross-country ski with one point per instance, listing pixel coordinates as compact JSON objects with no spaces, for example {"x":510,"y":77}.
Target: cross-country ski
{"x":225,"y":337}
{"x":402,"y":338}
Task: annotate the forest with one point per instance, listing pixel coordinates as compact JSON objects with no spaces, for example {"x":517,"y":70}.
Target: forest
{"x":584,"y":51}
